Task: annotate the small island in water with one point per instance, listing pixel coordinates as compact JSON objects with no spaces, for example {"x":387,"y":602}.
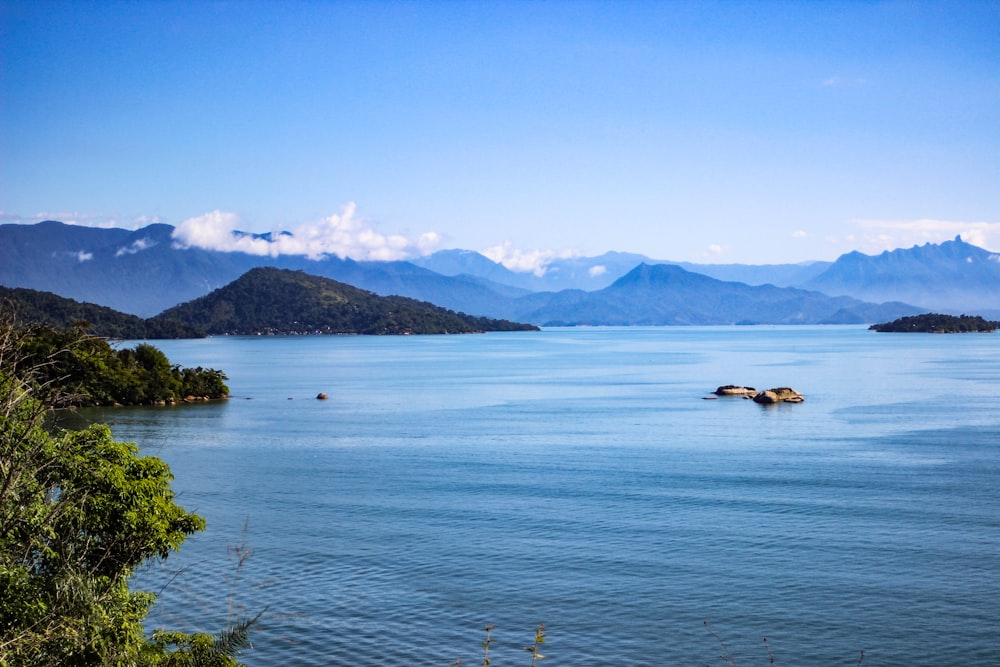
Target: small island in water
{"x":938,"y":323}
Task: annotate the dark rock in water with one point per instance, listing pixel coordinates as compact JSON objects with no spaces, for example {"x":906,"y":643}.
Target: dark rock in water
{"x":778,"y":395}
{"x":734,"y":390}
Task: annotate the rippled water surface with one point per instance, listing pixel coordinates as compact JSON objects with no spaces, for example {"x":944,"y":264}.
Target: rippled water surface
{"x":577,"y":477}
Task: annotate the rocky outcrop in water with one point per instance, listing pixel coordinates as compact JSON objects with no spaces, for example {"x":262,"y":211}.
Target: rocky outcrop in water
{"x":734,"y":390}
{"x":778,"y":395}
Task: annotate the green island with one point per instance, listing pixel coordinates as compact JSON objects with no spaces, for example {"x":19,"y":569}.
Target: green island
{"x":937,"y":323}
{"x":282,"y":302}
{"x":80,"y":512}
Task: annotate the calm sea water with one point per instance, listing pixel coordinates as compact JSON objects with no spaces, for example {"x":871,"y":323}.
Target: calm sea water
{"x":576,"y":477}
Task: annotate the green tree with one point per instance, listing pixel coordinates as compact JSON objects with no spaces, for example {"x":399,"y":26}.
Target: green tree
{"x":74,"y":368}
{"x":202,"y":381}
{"x":79,"y":512}
{"x":160,"y":383}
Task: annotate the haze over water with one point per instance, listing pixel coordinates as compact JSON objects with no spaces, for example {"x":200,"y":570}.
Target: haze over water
{"x":576,"y":477}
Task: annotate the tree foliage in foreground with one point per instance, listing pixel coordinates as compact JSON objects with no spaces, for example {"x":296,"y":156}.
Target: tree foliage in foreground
{"x":79,"y":512}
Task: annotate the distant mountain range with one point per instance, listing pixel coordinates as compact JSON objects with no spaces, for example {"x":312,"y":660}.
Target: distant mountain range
{"x":666,"y":294}
{"x":144,"y":272}
{"x":593,"y":273}
{"x":952,"y":277}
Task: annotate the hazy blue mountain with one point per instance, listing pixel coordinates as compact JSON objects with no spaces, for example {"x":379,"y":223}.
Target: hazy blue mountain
{"x":462,"y":293}
{"x":587,"y":273}
{"x":781,"y":275}
{"x":44,"y":256}
{"x":952,"y":277}
{"x":138,"y":272}
{"x":667,"y":294}
{"x":455,"y":262}
{"x":593,"y":273}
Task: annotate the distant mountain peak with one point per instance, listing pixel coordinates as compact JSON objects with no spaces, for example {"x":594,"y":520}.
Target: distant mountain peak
{"x":950,"y":276}
{"x":661,"y":274}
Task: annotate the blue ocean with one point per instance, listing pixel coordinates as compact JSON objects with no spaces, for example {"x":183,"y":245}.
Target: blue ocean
{"x":585,"y":478}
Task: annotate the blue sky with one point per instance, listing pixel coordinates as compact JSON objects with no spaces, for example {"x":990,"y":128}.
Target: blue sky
{"x":752,"y":132}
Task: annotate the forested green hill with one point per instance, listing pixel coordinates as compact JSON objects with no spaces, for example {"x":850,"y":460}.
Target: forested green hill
{"x":279,"y":301}
{"x":48,"y":308}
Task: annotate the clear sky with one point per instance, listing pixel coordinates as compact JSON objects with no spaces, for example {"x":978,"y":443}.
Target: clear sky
{"x":753,"y":132}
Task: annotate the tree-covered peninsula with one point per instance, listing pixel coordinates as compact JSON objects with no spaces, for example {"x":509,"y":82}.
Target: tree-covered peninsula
{"x":74,"y":369}
{"x":279,"y":301}
{"x":938,"y":323}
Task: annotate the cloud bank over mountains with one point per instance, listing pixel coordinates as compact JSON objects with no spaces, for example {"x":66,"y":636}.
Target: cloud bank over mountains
{"x":525,"y":261}
{"x":347,"y":235}
{"x":343,"y":235}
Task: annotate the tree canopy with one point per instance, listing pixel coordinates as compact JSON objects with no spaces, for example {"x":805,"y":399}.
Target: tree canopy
{"x":79,"y":512}
{"x":75,"y":369}
{"x":278,"y":301}
{"x":57,"y":311}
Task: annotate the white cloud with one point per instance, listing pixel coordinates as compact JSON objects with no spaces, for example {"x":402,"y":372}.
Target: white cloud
{"x":428,"y":242}
{"x":136,"y":246}
{"x":79,"y":256}
{"x":215,"y":231}
{"x":713,"y":251}
{"x":799,"y":234}
{"x":882,"y":235}
{"x":525,"y":261}
{"x":597,"y":270}
{"x":341,"y":235}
